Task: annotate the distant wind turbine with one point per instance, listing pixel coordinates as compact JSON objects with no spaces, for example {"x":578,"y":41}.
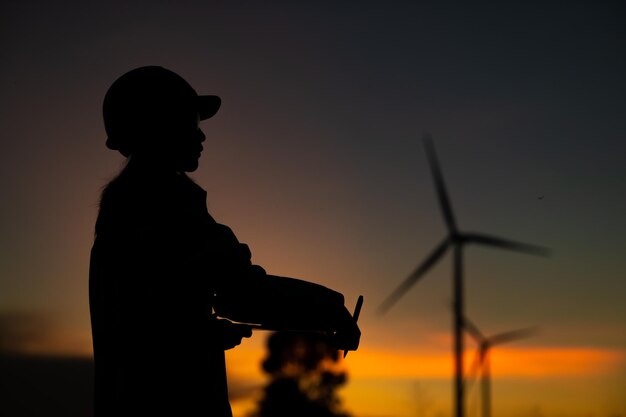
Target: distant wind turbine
{"x":482,"y":357}
{"x":455,"y":240}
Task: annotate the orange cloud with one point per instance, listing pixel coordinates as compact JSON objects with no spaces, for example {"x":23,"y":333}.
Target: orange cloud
{"x":505,"y":362}
{"x":547,"y":362}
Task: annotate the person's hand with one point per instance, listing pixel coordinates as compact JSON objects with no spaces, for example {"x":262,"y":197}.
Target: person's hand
{"x":233,"y":333}
{"x":347,"y":338}
{"x":349,"y":335}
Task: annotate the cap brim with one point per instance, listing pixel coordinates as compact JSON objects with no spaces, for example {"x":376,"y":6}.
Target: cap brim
{"x":208,"y":106}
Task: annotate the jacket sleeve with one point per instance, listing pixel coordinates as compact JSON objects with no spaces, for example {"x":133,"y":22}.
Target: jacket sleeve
{"x":245,"y":293}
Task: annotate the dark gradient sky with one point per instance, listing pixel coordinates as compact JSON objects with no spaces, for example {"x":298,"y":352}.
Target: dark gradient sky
{"x":316,"y":161}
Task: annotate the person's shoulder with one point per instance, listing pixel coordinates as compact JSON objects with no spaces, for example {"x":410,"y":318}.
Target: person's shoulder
{"x":138,"y":191}
{"x":135,"y":197}
{"x":117,"y":189}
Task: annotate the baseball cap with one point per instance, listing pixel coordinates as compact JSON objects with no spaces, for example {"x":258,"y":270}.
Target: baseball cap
{"x":144,"y":100}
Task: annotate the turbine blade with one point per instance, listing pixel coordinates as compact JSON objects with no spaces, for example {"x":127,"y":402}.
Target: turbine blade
{"x":473,"y":330}
{"x":505,"y":244}
{"x":440,"y":186}
{"x":473,"y":371}
{"x":512,"y":336}
{"x":414,"y":277}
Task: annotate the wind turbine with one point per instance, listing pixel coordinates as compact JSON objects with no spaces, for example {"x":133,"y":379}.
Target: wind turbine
{"x":482,"y":357}
{"x":455,"y":240}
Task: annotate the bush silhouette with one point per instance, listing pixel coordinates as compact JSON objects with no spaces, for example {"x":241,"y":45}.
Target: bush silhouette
{"x":304,"y":377}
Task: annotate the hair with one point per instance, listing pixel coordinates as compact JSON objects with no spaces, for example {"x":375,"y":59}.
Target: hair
{"x":115,"y":190}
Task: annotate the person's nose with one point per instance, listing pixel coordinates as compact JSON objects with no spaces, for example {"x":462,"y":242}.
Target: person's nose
{"x":201,"y":136}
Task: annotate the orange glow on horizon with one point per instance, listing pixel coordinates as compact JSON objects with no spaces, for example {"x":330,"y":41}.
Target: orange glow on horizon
{"x":244,"y":362}
{"x":381,"y":380}
{"x":505,"y":362}
{"x":521,"y":362}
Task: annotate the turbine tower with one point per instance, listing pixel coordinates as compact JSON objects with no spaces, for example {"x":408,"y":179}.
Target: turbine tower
{"x":482,"y":357}
{"x":455,"y":240}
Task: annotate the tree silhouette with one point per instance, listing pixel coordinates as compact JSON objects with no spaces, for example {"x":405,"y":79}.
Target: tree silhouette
{"x":305,"y":376}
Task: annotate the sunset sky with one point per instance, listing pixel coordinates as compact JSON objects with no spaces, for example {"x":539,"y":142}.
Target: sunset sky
{"x":315,"y":160}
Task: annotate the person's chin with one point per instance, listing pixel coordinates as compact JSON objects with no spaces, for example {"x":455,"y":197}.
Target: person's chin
{"x":191,"y":164}
{"x":191,"y":167}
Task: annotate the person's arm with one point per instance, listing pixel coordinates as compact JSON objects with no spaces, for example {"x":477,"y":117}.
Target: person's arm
{"x":288,"y":304}
{"x":245,"y":293}
{"x":281,"y":303}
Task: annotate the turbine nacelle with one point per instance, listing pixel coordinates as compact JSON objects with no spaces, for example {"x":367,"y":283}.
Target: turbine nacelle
{"x":455,"y":237}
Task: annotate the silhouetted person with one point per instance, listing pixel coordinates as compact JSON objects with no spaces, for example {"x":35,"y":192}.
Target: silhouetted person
{"x":161,"y":265}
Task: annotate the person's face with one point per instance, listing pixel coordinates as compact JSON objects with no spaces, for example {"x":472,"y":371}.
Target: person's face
{"x":180,"y":143}
{"x":188,"y":146}
{"x":173,"y":141}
